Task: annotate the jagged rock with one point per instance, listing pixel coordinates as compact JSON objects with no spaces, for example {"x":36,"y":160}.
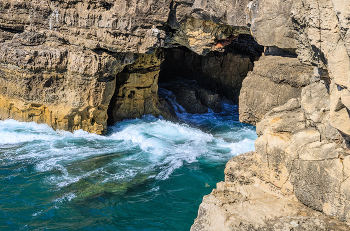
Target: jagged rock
{"x":137,"y":90}
{"x":209,"y":99}
{"x":61,"y":62}
{"x":339,"y":115}
{"x":192,"y":97}
{"x":289,"y":119}
{"x":301,"y":155}
{"x":123,"y":26}
{"x":248,"y":201}
{"x":67,"y":87}
{"x":321,"y":38}
{"x":271,"y":24}
{"x":302,"y":150}
{"x":5,"y":35}
{"x":272,"y":83}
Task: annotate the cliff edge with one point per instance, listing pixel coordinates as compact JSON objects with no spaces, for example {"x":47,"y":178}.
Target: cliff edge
{"x":297,"y":96}
{"x":80,"y":64}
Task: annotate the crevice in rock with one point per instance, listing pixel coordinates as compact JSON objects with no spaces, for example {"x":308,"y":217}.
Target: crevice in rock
{"x":14,"y":30}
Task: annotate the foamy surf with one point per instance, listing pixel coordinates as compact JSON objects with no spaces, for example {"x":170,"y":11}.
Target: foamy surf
{"x":146,"y":161}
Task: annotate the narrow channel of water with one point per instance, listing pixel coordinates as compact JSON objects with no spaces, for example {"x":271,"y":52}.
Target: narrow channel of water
{"x":145,"y":174}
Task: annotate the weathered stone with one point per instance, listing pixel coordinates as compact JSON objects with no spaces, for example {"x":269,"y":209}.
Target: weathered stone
{"x":271,"y":24}
{"x":78,"y":48}
{"x":193,"y":98}
{"x":290,"y":121}
{"x":272,"y":83}
{"x":137,"y":90}
{"x":339,"y":115}
{"x":217,"y":71}
{"x":315,"y":101}
{"x":317,"y":184}
{"x":297,"y":158}
{"x":124,"y":26}
{"x":244,"y":195}
{"x":66,"y":87}
{"x":307,"y":157}
{"x":319,"y":36}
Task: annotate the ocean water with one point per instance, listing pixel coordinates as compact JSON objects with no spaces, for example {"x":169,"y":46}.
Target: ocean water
{"x":145,"y":174}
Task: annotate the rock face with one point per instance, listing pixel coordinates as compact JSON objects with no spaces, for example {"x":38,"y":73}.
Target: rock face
{"x":247,"y":200}
{"x":66,"y":87}
{"x":124,"y":26}
{"x":191,"y":97}
{"x":73,"y":65}
{"x":297,"y":95}
{"x":137,"y":90}
{"x":76,"y":64}
{"x":273,"y":82}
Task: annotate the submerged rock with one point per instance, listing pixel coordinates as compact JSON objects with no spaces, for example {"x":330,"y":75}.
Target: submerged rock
{"x":192,"y":97}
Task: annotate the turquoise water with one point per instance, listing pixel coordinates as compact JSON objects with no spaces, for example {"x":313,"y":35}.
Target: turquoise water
{"x":145,"y":174}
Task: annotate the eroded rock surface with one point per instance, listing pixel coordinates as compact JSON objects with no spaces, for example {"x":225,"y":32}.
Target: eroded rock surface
{"x":70,"y":64}
{"x":124,"y":26}
{"x":297,"y":95}
{"x":272,"y":83}
{"x":67,"y":87}
{"x":221,"y":70}
{"x":248,"y":200}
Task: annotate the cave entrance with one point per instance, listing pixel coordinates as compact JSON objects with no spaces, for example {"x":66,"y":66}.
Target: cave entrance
{"x":197,"y":79}
{"x":198,"y":82}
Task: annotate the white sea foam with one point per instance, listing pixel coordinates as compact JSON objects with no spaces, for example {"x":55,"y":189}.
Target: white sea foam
{"x":151,"y":146}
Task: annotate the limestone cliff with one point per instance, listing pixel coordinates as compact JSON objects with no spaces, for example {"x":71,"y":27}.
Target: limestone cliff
{"x":297,"y":95}
{"x":76,"y":64}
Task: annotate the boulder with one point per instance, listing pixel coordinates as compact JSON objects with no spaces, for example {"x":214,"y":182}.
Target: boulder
{"x":273,"y":81}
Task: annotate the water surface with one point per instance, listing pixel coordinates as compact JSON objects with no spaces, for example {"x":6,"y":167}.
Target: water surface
{"x":145,"y":174}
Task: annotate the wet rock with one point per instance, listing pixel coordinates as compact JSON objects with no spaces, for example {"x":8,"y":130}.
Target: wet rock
{"x":302,"y":114}
{"x":192,"y":97}
{"x":67,"y":87}
{"x":63,"y":62}
{"x":137,"y":90}
{"x":209,"y":99}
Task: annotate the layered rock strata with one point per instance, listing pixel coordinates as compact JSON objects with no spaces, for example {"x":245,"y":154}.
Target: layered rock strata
{"x":273,"y":82}
{"x":75,"y":64}
{"x":67,"y":87}
{"x":297,"y":96}
{"x":248,"y":201}
{"x":137,"y":90}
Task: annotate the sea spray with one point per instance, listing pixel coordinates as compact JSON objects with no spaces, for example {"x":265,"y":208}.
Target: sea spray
{"x":145,"y":174}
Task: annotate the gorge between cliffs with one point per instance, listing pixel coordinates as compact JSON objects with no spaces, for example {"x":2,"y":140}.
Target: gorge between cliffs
{"x":174,"y":115}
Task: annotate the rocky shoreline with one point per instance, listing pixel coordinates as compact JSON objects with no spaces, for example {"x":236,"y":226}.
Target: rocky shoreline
{"x":83,"y":65}
{"x":296,"y":95}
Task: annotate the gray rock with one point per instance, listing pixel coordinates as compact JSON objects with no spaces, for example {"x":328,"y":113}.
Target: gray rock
{"x":247,"y":200}
{"x":273,"y":81}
